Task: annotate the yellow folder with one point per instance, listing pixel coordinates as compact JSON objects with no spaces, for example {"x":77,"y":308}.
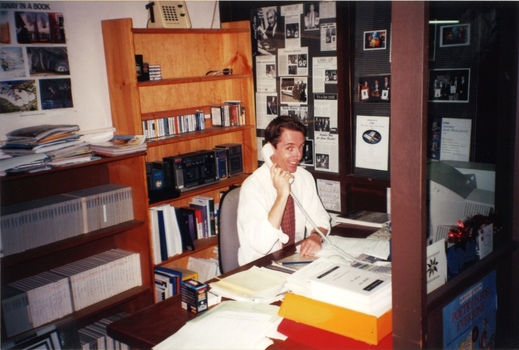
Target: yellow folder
{"x":336,"y":319}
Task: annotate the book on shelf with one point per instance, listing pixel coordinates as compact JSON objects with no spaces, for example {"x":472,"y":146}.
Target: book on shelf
{"x":207,"y":203}
{"x":188,"y":227}
{"x":364,"y":218}
{"x":167,"y":233}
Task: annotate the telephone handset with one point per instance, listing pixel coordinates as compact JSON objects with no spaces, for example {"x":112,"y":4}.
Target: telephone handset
{"x":267,"y":151}
{"x":168,"y":14}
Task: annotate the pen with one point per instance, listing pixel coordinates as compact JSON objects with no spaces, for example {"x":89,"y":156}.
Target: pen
{"x":295,"y":262}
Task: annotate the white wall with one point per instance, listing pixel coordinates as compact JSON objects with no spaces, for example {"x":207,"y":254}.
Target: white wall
{"x":87,"y":64}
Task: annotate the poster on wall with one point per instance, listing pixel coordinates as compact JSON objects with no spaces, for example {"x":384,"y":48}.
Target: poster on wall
{"x":450,"y":139}
{"x":372,"y":142}
{"x":35,"y":73}
{"x":469,"y":321}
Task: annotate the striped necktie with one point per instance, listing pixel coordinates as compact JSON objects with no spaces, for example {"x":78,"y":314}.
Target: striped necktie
{"x":288,"y":223}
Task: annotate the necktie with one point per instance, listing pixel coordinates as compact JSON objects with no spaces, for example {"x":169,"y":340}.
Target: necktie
{"x":288,"y":223}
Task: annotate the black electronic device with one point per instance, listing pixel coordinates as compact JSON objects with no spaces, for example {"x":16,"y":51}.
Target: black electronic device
{"x":221,"y":162}
{"x":234,"y":158}
{"x":192,"y":170}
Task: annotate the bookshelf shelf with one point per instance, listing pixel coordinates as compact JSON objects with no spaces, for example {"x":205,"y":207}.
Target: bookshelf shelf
{"x":69,"y":243}
{"x":184,"y":89}
{"x":197,"y":79}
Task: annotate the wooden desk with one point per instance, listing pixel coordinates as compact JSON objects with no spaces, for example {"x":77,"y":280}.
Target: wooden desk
{"x":150,"y":326}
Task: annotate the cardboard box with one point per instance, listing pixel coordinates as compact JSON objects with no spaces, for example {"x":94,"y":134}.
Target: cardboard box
{"x":194,"y":296}
{"x":336,"y":319}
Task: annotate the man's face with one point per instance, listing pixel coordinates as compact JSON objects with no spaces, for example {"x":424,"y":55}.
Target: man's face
{"x":271,"y":18}
{"x":289,"y":150}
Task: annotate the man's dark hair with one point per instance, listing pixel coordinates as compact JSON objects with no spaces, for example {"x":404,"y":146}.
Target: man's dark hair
{"x":277,"y":125}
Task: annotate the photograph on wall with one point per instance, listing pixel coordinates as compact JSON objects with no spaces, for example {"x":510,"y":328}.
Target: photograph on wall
{"x":48,"y":60}
{"x":5,"y":29}
{"x":312,"y":16}
{"x":12,"y":63}
{"x":56,"y":93}
{"x":449,"y":85}
{"x":455,"y":35}
{"x":375,"y":88}
{"x":268,"y":29}
{"x":40,"y":28}
{"x":308,"y":153}
{"x":293,"y":90}
{"x":326,"y":155}
{"x":272,"y":105}
{"x":18,"y":96}
{"x":293,"y":61}
{"x":299,"y":112}
{"x":328,"y":37}
{"x":324,"y":72}
{"x":266,"y":82}
{"x":375,"y":39}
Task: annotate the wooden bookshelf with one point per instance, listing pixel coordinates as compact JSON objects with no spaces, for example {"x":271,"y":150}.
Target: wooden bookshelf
{"x":185,"y":56}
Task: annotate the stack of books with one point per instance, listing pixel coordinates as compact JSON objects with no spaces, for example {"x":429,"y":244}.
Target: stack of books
{"x":120,"y":145}
{"x":174,"y":229}
{"x":94,"y":336}
{"x":230,"y":113}
{"x":59,"y":143}
{"x":42,"y":221}
{"x":36,"y":300}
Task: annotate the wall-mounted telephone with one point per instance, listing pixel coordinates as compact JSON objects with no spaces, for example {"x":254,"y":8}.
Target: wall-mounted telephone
{"x":168,"y":14}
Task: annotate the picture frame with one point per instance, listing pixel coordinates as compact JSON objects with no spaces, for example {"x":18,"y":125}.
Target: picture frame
{"x":450,"y":85}
{"x":375,"y":39}
{"x":375,"y":88}
{"x":455,"y":35}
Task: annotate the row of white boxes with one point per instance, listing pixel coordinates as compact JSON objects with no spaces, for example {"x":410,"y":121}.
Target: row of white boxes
{"x":39,"y":222}
{"x":33,"y":301}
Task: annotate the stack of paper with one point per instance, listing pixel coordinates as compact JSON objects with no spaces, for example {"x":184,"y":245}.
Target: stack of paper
{"x":119,"y":145}
{"x":255,"y":284}
{"x":342,"y":285}
{"x":229,"y":325}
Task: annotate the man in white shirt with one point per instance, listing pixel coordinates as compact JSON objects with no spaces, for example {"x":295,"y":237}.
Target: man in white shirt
{"x":264,"y":196}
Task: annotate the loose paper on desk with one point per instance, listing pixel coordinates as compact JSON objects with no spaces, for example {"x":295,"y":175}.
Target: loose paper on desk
{"x":229,"y":325}
{"x":255,"y":284}
{"x":356,"y":246}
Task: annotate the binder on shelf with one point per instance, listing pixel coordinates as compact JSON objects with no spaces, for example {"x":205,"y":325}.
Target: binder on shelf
{"x":336,"y":319}
{"x":186,"y":222}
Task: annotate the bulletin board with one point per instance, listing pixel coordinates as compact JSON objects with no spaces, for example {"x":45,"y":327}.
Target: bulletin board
{"x":295,"y":58}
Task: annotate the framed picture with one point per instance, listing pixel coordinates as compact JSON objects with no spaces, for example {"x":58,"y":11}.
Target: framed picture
{"x":455,"y":35}
{"x":375,"y":39}
{"x":375,"y":88}
{"x":449,"y":85}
